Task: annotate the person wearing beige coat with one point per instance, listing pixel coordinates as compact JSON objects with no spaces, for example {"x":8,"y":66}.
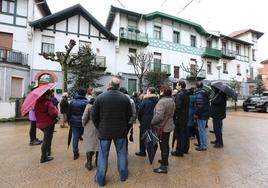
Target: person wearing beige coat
{"x":90,"y":137}
{"x":163,"y":122}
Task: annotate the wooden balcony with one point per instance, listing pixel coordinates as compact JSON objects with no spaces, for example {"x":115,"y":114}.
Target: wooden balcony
{"x":133,"y":36}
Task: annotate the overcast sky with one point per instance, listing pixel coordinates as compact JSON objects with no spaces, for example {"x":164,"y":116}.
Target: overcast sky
{"x":225,"y":16}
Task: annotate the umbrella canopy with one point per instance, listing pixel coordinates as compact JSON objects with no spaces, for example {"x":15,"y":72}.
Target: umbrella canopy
{"x":225,"y":89}
{"x":150,"y":140}
{"x":30,"y":100}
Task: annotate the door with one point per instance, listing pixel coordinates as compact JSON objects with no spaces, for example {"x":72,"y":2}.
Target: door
{"x":132,"y":86}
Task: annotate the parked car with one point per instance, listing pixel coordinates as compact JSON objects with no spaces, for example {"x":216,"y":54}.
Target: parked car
{"x":256,"y":103}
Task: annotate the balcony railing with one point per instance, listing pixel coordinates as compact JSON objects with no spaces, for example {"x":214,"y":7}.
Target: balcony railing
{"x":200,"y":76}
{"x":228,"y":54}
{"x":160,"y":67}
{"x":133,"y":36}
{"x":212,"y":53}
{"x":13,"y":56}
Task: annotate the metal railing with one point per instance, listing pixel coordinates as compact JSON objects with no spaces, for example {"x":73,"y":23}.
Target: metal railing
{"x":13,"y":56}
{"x":133,"y":34}
{"x":229,"y":53}
{"x":160,"y":67}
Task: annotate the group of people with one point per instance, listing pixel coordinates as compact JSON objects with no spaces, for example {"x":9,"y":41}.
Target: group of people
{"x":109,"y":116}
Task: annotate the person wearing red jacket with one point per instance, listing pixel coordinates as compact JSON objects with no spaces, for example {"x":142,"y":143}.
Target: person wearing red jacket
{"x":46,"y":116}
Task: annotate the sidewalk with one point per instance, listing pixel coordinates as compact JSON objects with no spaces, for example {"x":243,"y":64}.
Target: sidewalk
{"x":243,"y":162}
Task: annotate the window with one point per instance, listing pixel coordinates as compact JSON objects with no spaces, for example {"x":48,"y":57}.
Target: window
{"x":193,"y":67}
{"x":132,"y":52}
{"x":157,"y":32}
{"x":176,"y":72}
{"x":224,"y":65}
{"x":47,"y":44}
{"x":7,"y":6}
{"x":176,"y":37}
{"x":84,"y":43}
{"x":132,"y":24}
{"x":193,"y":41}
{"x":157,"y":62}
{"x":16,"y":86}
{"x":209,"y":43}
{"x":224,"y":48}
{"x":237,"y":47}
{"x":209,"y":67}
{"x":253,"y":55}
{"x":238,"y":70}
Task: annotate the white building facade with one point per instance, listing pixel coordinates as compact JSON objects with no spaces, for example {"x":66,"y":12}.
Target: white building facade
{"x":176,"y":42}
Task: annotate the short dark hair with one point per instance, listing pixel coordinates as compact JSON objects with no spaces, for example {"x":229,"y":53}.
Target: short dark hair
{"x":152,"y":90}
{"x":166,"y":90}
{"x":182,"y":84}
{"x":199,"y":84}
{"x":82,"y":92}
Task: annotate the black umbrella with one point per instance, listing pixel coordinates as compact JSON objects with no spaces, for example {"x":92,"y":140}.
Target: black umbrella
{"x":225,"y":89}
{"x":69,"y":136}
{"x":150,"y":140}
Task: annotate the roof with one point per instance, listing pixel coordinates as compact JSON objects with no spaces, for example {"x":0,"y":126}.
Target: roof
{"x":151,"y":16}
{"x":69,"y":12}
{"x":240,"y":32}
{"x":156,"y":14}
{"x":112,"y":12}
{"x":41,"y":4}
{"x":234,"y":39}
{"x":264,"y":62}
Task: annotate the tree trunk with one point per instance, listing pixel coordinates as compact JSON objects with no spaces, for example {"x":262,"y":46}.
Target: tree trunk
{"x":65,"y":74}
{"x":140,"y":83}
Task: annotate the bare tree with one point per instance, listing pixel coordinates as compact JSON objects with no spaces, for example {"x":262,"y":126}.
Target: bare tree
{"x":67,"y":59}
{"x":141,"y":63}
{"x":193,"y":69}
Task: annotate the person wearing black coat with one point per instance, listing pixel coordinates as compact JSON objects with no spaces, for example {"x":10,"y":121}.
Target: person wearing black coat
{"x":75,"y":113}
{"x":145,"y":116}
{"x":181,"y":119}
{"x":111,"y":114}
{"x":218,"y":113}
{"x":64,"y":106}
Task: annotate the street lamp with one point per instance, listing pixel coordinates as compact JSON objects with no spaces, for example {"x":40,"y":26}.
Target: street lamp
{"x":218,"y":67}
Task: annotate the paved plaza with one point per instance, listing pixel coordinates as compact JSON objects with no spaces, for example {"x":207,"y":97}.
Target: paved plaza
{"x":243,"y":162}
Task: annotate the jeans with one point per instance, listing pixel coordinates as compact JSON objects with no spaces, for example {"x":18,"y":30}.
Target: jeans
{"x":164,"y":146}
{"x":32,"y":131}
{"x":202,"y":133}
{"x":122,"y":159}
{"x":47,"y":140}
{"x":76,"y":135}
{"x":217,"y":126}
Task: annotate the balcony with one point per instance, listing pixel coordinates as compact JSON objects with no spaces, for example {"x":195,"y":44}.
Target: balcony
{"x":212,"y":53}
{"x":160,"y":67}
{"x":200,"y":76}
{"x":13,"y":57}
{"x":228,"y":54}
{"x":133,"y":36}
{"x":100,"y":62}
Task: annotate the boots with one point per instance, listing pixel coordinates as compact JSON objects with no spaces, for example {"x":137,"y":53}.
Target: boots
{"x":76,"y":155}
{"x":96,"y":158}
{"x":161,"y":169}
{"x":88,"y":164}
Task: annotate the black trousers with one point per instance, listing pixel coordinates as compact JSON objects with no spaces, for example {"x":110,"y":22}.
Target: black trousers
{"x":32,"y":131}
{"x":164,"y":147}
{"x":183,"y":140}
{"x":141,"y":144}
{"x":47,"y":140}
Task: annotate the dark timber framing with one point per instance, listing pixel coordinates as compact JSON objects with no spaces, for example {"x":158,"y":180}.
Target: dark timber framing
{"x":78,"y":27}
{"x":89,"y":25}
{"x":47,"y":21}
{"x":67,"y":24}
